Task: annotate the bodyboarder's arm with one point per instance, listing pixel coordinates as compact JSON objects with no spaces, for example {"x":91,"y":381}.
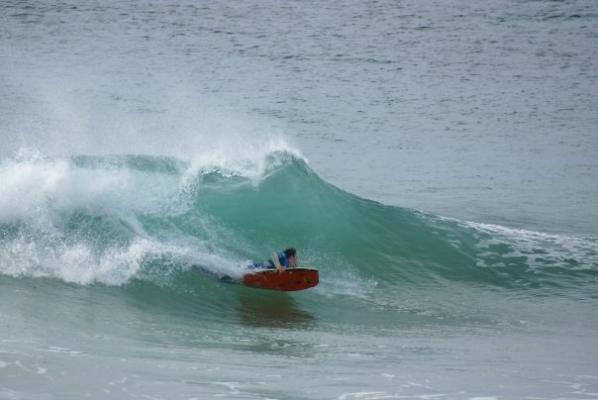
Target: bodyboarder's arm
{"x":276,"y":262}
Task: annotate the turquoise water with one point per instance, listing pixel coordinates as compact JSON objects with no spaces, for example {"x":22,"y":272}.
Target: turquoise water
{"x":436,"y":163}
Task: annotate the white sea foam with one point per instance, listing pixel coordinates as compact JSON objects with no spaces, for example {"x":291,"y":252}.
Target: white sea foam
{"x":82,"y":263}
{"x":34,"y":185}
{"x":33,"y":182}
{"x":78,"y":263}
{"x":36,"y":194}
{"x":539,"y":249}
{"x":37,"y":191}
{"x":37,"y":187}
{"x":347,"y":284}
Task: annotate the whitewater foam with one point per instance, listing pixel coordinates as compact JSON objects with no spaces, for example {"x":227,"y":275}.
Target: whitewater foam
{"x":42,"y":197}
{"x":39,"y":187}
{"x":83,"y":263}
{"x":78,"y":263}
{"x":537,"y":248}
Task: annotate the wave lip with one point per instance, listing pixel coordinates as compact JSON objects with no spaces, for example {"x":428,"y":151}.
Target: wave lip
{"x":252,"y":161}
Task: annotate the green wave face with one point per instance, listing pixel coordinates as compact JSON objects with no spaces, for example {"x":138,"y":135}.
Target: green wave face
{"x":116,"y":219}
{"x":338,"y":232}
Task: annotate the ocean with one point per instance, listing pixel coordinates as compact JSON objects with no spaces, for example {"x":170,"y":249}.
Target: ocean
{"x":437,"y":162}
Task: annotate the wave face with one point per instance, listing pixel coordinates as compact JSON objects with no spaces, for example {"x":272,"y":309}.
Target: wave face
{"x":114,"y":219}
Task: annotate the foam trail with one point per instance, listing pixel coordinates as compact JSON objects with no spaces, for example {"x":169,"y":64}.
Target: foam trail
{"x":76,"y":262}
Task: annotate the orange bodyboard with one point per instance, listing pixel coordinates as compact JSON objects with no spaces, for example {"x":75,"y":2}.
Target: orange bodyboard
{"x":289,"y":280}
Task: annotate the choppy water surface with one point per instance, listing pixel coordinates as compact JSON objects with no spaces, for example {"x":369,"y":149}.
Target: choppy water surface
{"x":436,"y":162}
